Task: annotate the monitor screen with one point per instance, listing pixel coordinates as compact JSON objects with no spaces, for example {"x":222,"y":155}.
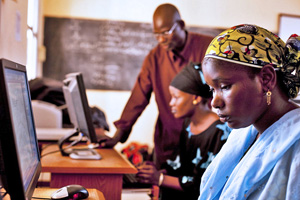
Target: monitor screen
{"x":77,"y":104}
{"x":20,"y":156}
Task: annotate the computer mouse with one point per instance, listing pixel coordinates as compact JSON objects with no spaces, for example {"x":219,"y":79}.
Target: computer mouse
{"x":70,"y":192}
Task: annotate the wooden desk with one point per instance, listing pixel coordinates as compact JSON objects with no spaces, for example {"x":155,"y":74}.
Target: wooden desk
{"x":94,"y":194}
{"x":105,"y":175}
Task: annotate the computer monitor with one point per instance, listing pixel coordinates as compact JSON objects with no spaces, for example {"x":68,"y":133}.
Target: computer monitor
{"x":77,"y":105}
{"x":19,"y":154}
{"x":78,"y":108}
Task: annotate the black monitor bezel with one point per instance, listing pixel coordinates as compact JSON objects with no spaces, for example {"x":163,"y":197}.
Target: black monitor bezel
{"x":11,"y":174}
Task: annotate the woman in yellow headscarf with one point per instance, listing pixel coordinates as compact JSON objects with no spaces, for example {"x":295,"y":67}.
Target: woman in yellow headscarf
{"x":253,"y":75}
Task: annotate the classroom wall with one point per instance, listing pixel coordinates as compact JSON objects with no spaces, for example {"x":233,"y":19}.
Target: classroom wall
{"x":13,"y":27}
{"x":207,"y":13}
{"x":211,"y":13}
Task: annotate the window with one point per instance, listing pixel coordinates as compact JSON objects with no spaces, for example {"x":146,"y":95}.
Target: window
{"x":32,"y":38}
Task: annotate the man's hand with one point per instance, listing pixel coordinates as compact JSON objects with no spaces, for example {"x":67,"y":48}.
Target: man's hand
{"x":108,"y":142}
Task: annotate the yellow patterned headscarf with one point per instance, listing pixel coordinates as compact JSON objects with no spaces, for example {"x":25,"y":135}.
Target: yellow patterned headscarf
{"x":255,"y":46}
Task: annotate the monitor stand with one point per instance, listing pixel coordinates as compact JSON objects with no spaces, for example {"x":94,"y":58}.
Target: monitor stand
{"x":85,"y":154}
{"x":77,"y":153}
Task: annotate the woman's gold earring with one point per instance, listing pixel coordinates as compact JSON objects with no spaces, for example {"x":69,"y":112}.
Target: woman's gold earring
{"x":269,"y":93}
{"x":195,"y":102}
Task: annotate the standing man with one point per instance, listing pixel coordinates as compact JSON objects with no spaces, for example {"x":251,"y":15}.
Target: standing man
{"x":175,"y":49}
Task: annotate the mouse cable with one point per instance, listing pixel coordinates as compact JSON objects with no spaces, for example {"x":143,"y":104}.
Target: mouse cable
{"x":47,"y":145}
{"x":51,"y":152}
{"x":67,"y":147}
{"x":42,"y":155}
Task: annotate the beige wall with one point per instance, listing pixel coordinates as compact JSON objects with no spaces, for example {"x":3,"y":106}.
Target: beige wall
{"x":12,"y":47}
{"x":210,"y":13}
{"x":112,"y":103}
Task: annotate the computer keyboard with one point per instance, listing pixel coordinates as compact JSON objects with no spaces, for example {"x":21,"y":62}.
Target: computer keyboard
{"x":130,"y":181}
{"x":130,"y":178}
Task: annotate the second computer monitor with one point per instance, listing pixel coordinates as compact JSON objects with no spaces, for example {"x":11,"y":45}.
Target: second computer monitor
{"x":78,"y":107}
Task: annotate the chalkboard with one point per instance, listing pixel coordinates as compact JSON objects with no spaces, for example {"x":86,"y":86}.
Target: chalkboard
{"x":109,"y":54}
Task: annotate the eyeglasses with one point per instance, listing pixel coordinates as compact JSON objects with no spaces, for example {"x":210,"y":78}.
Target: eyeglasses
{"x":166,"y":33}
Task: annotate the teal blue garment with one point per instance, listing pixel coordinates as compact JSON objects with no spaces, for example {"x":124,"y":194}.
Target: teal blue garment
{"x":269,"y":170}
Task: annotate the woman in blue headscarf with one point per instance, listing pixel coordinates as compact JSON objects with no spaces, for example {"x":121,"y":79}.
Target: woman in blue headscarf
{"x":254,"y":75}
